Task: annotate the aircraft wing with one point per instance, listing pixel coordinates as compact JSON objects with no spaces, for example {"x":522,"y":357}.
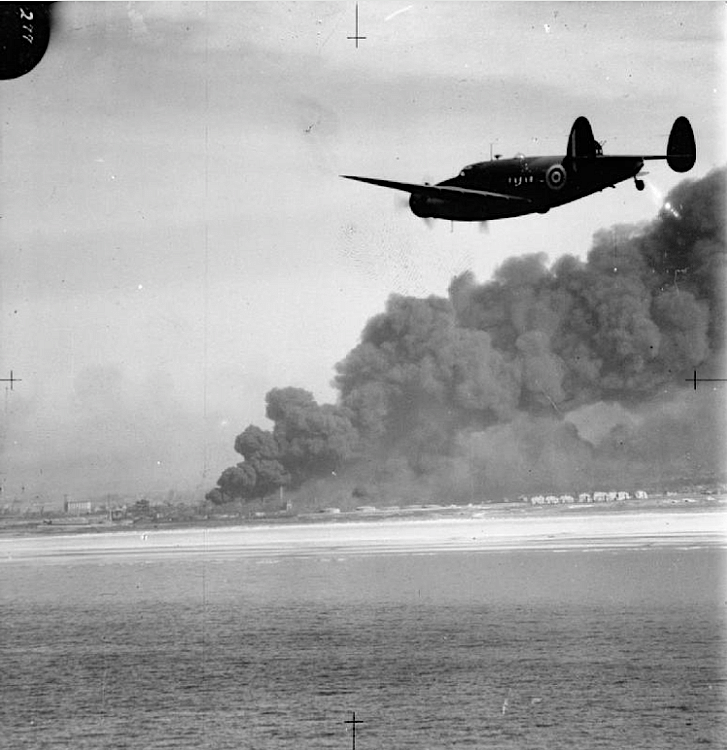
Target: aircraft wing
{"x":438,"y":191}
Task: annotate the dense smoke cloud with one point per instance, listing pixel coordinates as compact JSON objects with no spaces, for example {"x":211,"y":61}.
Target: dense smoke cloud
{"x":492,"y":389}
{"x":308,"y":440}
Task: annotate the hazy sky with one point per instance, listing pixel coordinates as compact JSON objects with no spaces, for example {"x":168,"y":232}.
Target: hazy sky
{"x":175,"y":237}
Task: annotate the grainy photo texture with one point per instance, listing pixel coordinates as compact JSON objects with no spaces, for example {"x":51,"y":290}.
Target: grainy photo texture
{"x":363,"y":375}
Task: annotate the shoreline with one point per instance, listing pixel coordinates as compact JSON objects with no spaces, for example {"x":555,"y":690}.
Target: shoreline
{"x":476,"y":532}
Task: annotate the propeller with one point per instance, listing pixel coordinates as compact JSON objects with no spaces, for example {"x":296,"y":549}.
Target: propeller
{"x":401,"y":201}
{"x":405,"y":202}
{"x":428,"y":220}
{"x":402,"y":204}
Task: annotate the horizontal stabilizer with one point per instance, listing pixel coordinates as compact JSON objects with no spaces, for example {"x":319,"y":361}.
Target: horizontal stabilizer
{"x":681,"y":150}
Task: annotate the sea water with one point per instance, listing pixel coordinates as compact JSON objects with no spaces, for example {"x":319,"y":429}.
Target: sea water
{"x":607,"y":648}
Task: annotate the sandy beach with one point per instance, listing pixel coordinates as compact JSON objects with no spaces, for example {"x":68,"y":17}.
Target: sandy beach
{"x":400,"y":536}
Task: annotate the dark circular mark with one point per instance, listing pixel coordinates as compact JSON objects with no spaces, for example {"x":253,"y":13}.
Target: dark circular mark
{"x":24,"y":35}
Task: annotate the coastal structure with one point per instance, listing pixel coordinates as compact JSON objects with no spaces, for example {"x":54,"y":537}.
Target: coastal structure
{"x":585,"y":498}
{"x":77,"y":507}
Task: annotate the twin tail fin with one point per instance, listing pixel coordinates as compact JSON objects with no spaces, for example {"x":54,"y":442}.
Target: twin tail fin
{"x":681,"y":150}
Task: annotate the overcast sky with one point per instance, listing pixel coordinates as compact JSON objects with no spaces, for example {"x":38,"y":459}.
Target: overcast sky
{"x":175,"y":237}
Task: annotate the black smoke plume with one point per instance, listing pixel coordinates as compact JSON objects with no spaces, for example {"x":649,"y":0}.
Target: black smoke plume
{"x":544,"y":378}
{"x":307,"y":440}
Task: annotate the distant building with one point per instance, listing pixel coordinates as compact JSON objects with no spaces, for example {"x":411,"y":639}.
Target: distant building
{"x":641,"y":495}
{"x":567,"y":499}
{"x":117,"y":514}
{"x":585,"y":497}
{"x":537,"y":500}
{"x":551,"y":500}
{"x":77,"y":507}
{"x":621,"y":495}
{"x":600,"y":497}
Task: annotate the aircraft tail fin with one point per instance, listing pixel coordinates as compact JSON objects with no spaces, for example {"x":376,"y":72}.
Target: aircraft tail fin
{"x":581,"y":143}
{"x":681,"y":150}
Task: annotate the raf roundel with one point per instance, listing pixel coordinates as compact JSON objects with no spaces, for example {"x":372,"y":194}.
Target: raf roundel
{"x":555,"y":177}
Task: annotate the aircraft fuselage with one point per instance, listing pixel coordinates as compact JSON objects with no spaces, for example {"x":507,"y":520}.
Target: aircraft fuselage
{"x":546,"y":181}
{"x":501,"y":188}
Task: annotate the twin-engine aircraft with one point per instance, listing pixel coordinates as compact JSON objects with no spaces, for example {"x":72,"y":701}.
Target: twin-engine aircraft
{"x":502,"y":188}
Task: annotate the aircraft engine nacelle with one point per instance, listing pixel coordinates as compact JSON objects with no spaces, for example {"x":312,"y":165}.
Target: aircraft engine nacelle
{"x":426,"y":207}
{"x":418,"y":205}
{"x":556,"y":177}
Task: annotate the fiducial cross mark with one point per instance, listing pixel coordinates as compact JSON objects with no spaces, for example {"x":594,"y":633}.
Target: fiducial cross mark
{"x":696,"y":380}
{"x":12,"y":379}
{"x":353,"y":721}
{"x":356,"y":36}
